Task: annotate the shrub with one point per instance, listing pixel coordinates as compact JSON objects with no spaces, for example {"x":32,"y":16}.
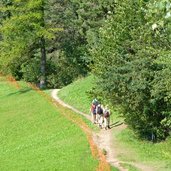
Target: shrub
{"x":130,"y":67}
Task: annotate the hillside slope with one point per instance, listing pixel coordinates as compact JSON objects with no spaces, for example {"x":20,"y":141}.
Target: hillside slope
{"x":34,"y":135}
{"x":134,"y":153}
{"x":75,"y":94}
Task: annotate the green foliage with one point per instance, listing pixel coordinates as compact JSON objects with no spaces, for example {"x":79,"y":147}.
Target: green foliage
{"x":67,"y":49}
{"x":30,"y":70}
{"x":58,"y":74}
{"x":61,"y":73}
{"x":81,"y":21}
{"x":13,"y":68}
{"x":24,"y":31}
{"x":24,"y":23}
{"x":20,"y":30}
{"x":127,"y":65}
{"x":31,"y":24}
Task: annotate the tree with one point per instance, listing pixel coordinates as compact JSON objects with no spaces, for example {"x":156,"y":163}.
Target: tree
{"x":68,"y":51}
{"x":25,"y":30}
{"x":127,"y":64}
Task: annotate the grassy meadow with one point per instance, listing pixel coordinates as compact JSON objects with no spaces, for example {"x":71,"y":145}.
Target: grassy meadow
{"x":129,"y":148}
{"x":35,"y":136}
{"x":75,"y":94}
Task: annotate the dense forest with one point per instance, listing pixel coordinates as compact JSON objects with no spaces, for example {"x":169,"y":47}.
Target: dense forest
{"x":126,"y":44}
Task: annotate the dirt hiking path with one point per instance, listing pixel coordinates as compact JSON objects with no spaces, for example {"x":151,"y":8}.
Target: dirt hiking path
{"x":103,"y":140}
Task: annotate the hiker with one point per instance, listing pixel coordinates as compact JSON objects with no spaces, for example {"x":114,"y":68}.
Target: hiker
{"x":99,"y":114}
{"x":93,"y":110}
{"x":106,"y":115}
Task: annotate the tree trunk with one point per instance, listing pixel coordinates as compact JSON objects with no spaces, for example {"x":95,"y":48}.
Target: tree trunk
{"x":43,"y":64}
{"x":43,"y":51}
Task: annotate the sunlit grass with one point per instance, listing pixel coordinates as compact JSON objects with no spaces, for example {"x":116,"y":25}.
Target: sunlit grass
{"x":35,"y":136}
{"x":76,"y":95}
{"x":131,"y":148}
{"x":157,"y":155}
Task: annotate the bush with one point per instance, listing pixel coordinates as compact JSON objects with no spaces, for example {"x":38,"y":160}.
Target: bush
{"x":129,"y":64}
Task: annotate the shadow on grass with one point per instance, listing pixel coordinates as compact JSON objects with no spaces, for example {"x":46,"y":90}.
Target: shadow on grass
{"x":118,"y":123}
{"x":21,"y":91}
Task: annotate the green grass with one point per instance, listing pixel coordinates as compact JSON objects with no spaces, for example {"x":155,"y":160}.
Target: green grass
{"x":75,"y":94}
{"x":92,"y":126}
{"x":129,"y":167}
{"x":113,"y":169}
{"x":157,"y":155}
{"x":130,"y":148}
{"x":34,"y":136}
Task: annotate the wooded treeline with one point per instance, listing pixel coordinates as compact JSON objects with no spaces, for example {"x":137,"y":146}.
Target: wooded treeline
{"x":126,"y":44}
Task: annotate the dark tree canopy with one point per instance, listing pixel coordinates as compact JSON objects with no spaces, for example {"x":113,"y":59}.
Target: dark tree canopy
{"x":130,"y":63}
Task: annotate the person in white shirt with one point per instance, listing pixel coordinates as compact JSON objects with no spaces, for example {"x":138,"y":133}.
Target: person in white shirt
{"x":106,"y":115}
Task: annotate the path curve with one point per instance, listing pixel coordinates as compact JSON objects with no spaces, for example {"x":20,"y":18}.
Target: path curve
{"x":101,"y":139}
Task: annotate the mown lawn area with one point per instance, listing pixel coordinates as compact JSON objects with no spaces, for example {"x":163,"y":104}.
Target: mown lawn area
{"x":34,"y":136}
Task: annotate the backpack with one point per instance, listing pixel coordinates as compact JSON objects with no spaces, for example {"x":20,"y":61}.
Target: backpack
{"x":99,"y":110}
{"x":106,"y":113}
